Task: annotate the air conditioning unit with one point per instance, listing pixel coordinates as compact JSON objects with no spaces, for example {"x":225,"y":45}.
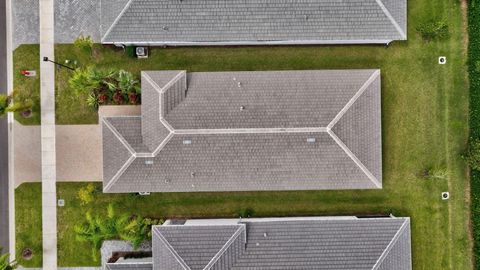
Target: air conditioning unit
{"x":141,"y":52}
{"x":144,"y":193}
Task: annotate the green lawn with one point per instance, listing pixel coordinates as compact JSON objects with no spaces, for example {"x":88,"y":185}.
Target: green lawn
{"x":424,"y":118}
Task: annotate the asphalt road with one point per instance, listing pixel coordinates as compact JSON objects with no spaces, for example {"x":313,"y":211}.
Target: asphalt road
{"x":3,"y":135}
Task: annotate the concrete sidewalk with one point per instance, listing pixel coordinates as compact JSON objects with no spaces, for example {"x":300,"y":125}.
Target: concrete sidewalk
{"x":47,"y":104}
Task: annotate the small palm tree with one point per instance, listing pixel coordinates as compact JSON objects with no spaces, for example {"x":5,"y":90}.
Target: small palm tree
{"x":135,"y":231}
{"x":5,"y":264}
{"x":84,"y":43}
{"x":127,"y":82}
{"x":98,"y":229}
{"x":4,"y":101}
{"x":14,"y":103}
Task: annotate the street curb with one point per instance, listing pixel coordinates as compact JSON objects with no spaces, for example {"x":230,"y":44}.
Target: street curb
{"x":11,"y":184}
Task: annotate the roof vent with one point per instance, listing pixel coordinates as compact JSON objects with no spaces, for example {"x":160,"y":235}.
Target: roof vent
{"x":148,"y":161}
{"x":165,"y":28}
{"x":265,"y":235}
{"x":187,"y":141}
{"x":311,"y":140}
{"x":167,"y":181}
{"x":242,"y":108}
{"x":192,"y":174}
{"x":306,"y":17}
{"x":257,"y":244}
{"x":239,"y":84}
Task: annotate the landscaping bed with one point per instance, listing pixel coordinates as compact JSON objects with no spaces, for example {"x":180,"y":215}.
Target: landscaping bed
{"x":424,"y":123}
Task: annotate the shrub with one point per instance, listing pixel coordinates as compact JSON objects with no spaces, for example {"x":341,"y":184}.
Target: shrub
{"x":84,"y":43}
{"x":139,"y":230}
{"x":474,"y":77}
{"x":436,"y":173}
{"x":107,"y":87}
{"x":4,"y":100}
{"x":473,"y":154}
{"x":17,"y":102}
{"x":246,"y":213}
{"x":93,"y":101}
{"x":86,"y":80}
{"x":127,"y":82}
{"x":86,"y":194}
{"x":433,"y":30}
{"x":5,"y":264}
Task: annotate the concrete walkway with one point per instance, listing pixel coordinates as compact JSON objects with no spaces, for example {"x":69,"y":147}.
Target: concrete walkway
{"x":47,"y":101}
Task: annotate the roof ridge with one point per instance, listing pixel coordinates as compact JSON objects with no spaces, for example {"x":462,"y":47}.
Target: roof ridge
{"x":119,"y":173}
{"x":116,"y":20}
{"x":391,"y":18}
{"x":355,"y":97}
{"x":248,"y":130}
{"x":173,"y":80}
{"x":160,"y":92}
{"x":391,"y":244}
{"x":171,"y":249}
{"x":163,"y":144}
{"x":225,"y":247}
{"x":127,"y":163}
{"x":355,"y":159}
{"x":119,"y":135}
{"x":151,"y":81}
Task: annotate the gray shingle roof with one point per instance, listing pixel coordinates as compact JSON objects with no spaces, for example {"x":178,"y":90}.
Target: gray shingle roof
{"x":209,"y":22}
{"x":289,"y":243}
{"x":232,"y":131}
{"x":129,"y":266}
{"x":189,"y":243}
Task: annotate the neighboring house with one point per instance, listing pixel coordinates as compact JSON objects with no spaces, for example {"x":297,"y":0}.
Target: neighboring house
{"x":239,"y":131}
{"x":252,"y":22}
{"x":279,"y":243}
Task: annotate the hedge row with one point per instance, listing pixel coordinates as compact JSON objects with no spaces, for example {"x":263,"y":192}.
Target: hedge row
{"x":474,"y":75}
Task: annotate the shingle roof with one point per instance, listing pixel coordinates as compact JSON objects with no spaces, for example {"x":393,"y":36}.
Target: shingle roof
{"x":210,"y":22}
{"x":231,"y":131}
{"x":194,"y":247}
{"x":129,"y":266}
{"x":288,"y":243}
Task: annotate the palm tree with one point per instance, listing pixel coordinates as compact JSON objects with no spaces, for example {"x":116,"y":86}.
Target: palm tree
{"x":4,"y":101}
{"x":16,"y":102}
{"x":127,"y":82}
{"x":98,"y":229}
{"x":135,"y":231}
{"x":5,"y":264}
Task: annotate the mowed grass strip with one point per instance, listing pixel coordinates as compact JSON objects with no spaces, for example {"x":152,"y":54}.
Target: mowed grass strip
{"x":424,"y":122}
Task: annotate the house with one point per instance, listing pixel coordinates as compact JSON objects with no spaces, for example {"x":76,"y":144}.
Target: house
{"x":278,"y":243}
{"x":252,"y":22}
{"x":248,"y":131}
